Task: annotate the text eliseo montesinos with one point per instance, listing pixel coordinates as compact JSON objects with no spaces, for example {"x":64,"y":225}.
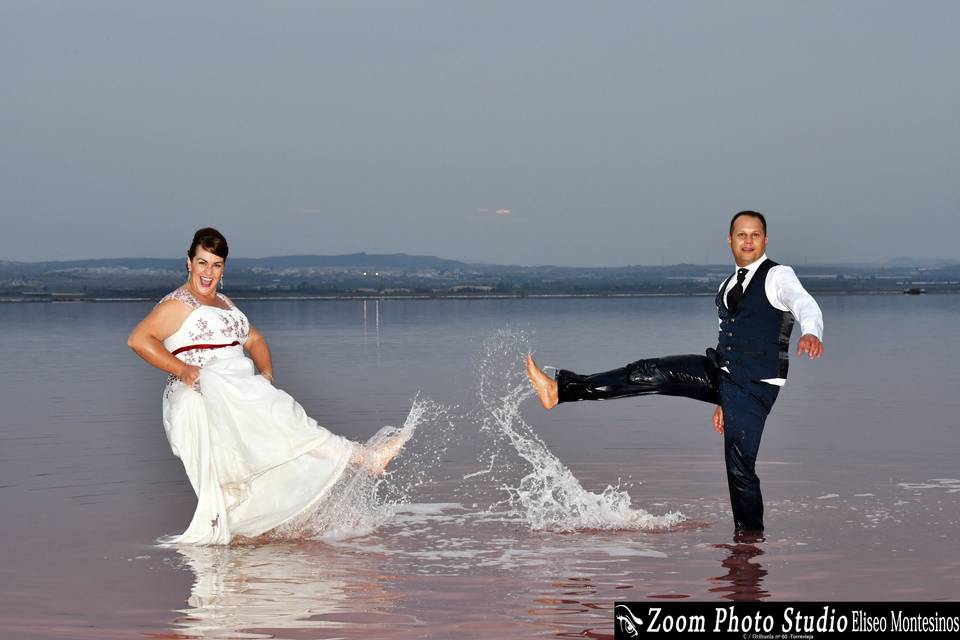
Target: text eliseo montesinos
{"x":727,"y":620}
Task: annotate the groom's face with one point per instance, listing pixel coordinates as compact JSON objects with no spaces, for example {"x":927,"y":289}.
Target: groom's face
{"x":747,"y":241}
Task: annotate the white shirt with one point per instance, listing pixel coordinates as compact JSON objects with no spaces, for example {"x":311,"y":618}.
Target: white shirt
{"x":784,"y":292}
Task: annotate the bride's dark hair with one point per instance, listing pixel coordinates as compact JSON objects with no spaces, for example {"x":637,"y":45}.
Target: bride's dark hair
{"x":211,"y":240}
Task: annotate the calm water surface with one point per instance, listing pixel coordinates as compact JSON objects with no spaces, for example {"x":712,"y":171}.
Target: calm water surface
{"x":502,"y":522}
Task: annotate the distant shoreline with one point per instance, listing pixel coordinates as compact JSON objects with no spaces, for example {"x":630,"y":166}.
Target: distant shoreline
{"x":405,"y":277}
{"x":66,"y":298}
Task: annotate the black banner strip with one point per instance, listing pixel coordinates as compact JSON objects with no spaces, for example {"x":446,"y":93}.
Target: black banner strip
{"x":783,"y":620}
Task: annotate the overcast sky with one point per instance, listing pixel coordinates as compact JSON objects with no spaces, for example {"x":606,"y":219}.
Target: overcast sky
{"x":571,"y":133}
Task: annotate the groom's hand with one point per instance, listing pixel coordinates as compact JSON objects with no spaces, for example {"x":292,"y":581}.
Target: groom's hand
{"x":718,"y":419}
{"x":811,"y":345}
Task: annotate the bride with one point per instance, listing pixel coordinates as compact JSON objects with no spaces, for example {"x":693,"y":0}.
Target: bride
{"x":255,"y":459}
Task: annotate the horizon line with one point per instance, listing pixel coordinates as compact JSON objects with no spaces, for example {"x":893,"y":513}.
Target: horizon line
{"x":888,"y":261}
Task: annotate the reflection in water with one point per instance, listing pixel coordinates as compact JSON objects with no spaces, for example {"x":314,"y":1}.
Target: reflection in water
{"x":248,"y":590}
{"x":376,"y":321}
{"x":742,"y":582}
{"x":419,"y":575}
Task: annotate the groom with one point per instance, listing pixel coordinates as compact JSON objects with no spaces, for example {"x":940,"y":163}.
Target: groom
{"x":756,"y":306}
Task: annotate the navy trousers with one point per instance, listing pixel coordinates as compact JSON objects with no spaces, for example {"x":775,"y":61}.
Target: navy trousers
{"x":745,"y":410}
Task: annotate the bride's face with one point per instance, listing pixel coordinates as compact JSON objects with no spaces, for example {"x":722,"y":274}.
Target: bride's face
{"x":206,"y":269}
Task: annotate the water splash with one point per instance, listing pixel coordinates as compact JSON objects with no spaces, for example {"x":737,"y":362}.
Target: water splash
{"x":359,"y":502}
{"x":549,"y":496}
{"x":542,"y":493}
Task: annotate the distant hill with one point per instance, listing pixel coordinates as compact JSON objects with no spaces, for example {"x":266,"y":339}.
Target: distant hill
{"x":359,"y":260}
{"x":406,"y":261}
{"x":920,"y":263}
{"x":402,"y":274}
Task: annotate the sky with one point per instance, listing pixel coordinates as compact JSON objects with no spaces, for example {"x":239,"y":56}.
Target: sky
{"x":517,"y":132}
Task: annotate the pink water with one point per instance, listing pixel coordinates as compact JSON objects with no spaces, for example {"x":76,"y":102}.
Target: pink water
{"x":858,"y":468}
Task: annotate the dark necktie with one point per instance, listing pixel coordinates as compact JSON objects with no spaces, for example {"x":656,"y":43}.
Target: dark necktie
{"x":734,"y":295}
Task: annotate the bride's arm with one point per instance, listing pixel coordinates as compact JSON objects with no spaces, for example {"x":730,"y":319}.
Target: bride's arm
{"x":147,"y":338}
{"x":256,"y":346}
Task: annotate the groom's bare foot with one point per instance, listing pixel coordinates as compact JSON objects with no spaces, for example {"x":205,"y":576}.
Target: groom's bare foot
{"x":545,"y":387}
{"x":375,"y":459}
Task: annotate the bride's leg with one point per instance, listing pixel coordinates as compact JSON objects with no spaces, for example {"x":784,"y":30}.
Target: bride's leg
{"x":376,"y":458}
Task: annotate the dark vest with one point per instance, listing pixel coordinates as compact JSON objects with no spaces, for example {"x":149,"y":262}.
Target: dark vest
{"x":754,"y":341}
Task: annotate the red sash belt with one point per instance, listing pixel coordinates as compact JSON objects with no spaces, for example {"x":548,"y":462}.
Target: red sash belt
{"x":191,"y":347}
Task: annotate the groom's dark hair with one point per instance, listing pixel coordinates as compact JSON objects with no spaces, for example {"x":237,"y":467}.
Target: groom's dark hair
{"x":755,"y":214}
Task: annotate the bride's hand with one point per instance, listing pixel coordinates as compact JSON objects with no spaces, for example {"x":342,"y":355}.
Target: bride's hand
{"x":189,"y":374}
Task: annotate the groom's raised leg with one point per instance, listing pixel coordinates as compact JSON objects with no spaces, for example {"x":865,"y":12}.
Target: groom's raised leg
{"x":689,"y":376}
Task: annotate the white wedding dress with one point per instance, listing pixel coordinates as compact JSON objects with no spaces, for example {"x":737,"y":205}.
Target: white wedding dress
{"x":255,"y":459}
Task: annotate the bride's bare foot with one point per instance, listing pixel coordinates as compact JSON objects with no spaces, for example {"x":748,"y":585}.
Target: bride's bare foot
{"x":545,"y":387}
{"x":375,"y":459}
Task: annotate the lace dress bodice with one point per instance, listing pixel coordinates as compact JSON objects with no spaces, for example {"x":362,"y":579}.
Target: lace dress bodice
{"x":205,"y":326}
{"x":207,"y":334}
